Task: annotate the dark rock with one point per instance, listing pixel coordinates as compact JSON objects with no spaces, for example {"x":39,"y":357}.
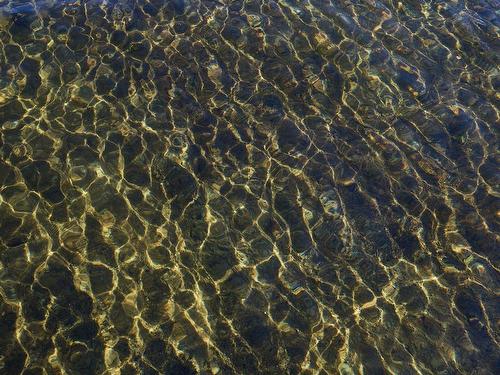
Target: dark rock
{"x":101,"y":278}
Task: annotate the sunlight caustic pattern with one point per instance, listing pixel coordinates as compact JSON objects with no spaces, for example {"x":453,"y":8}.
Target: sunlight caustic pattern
{"x":249,"y":187}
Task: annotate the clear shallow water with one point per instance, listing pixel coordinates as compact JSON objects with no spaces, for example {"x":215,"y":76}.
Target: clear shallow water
{"x":249,"y":187}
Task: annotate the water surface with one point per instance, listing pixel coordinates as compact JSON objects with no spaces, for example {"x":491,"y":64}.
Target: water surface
{"x":249,"y":187}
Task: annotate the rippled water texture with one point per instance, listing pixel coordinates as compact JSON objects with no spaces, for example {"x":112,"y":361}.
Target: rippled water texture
{"x":249,"y":187}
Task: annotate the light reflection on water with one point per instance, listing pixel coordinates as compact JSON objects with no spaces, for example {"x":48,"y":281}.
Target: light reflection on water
{"x":249,"y":187}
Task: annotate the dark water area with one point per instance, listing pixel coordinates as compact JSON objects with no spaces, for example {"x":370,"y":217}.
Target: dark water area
{"x":249,"y":187}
